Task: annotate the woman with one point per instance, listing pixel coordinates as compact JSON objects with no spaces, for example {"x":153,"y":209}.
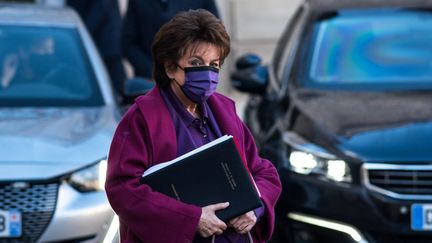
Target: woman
{"x":181,"y":113}
{"x":142,"y":21}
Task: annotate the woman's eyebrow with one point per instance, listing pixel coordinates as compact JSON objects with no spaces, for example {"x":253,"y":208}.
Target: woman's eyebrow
{"x":198,"y":57}
{"x":201,"y":59}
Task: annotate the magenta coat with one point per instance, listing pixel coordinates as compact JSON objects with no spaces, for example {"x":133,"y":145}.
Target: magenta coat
{"x":146,"y":136}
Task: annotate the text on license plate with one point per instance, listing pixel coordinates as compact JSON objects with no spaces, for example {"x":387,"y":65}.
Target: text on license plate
{"x":10,"y":224}
{"x":421,"y":216}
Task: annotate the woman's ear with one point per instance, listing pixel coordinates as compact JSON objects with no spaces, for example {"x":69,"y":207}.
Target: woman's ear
{"x":170,"y":70}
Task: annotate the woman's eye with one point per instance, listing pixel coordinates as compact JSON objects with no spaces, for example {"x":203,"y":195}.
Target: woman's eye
{"x":195,"y":63}
{"x":214,"y":65}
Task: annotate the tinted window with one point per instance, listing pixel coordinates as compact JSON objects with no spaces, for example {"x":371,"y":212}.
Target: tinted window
{"x":372,"y":49}
{"x":285,"y":47}
{"x":42,"y":66}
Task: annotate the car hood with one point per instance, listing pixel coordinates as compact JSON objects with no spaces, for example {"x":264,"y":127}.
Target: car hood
{"x":381,"y":127}
{"x":347,"y":113}
{"x":46,"y":143}
{"x":406,"y":143}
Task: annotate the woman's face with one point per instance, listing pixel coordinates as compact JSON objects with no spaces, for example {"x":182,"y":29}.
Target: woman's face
{"x":204,"y":54}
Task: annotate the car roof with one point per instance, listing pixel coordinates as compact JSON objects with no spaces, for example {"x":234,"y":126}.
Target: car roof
{"x":329,"y":5}
{"x":31,"y":14}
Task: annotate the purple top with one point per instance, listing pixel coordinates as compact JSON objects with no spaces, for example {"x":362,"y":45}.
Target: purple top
{"x":194,"y":132}
{"x":191,"y":132}
{"x":145,"y":137}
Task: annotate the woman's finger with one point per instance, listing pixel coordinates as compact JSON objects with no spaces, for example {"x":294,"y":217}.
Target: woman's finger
{"x":246,"y":229}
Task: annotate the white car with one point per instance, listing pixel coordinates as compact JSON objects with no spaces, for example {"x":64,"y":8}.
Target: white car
{"x":57,"y":117}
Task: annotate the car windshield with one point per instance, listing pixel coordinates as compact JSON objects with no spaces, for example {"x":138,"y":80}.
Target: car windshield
{"x":45,"y":66}
{"x":372,"y":49}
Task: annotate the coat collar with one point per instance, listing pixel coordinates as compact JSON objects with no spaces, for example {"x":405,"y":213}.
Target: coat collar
{"x":161,"y":129}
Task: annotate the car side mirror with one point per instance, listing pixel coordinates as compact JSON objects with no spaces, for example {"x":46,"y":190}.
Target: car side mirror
{"x":250,"y":76}
{"x":248,"y":61}
{"x":135,"y":87}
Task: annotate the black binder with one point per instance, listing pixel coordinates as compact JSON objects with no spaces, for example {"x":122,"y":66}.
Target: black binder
{"x":210,"y":174}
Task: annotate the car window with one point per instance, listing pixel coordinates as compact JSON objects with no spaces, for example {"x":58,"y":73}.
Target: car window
{"x":41,"y":66}
{"x":284,"y":46}
{"x":391,"y":48}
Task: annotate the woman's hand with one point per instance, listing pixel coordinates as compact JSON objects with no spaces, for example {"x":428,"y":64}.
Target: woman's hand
{"x":209,"y":224}
{"x":243,"y":223}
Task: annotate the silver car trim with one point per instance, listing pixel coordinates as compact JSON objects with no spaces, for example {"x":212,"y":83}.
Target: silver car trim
{"x":372,"y":166}
{"x":113,"y":231}
{"x":350,"y":230}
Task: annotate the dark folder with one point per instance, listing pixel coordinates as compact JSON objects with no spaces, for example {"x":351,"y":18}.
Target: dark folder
{"x":213,"y":173}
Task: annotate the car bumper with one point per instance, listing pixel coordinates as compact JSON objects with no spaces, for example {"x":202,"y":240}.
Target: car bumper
{"x":313,"y":210}
{"x":79,"y":217}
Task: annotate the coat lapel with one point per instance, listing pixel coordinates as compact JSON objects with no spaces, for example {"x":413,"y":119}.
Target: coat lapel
{"x":224,"y":111}
{"x":162,"y":134}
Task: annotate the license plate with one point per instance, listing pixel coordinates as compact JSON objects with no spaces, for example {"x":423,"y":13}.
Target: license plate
{"x":421,"y":216}
{"x":10,"y":224}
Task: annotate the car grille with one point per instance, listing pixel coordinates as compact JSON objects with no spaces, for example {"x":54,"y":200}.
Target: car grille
{"x":36,"y":204}
{"x":400,"y":181}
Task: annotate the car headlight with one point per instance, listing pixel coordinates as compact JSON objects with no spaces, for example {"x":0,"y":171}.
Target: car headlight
{"x":91,"y":178}
{"x":310,"y":164}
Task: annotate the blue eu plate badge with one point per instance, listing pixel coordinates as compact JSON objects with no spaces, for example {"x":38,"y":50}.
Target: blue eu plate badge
{"x":421,"y":216}
{"x":10,"y":224}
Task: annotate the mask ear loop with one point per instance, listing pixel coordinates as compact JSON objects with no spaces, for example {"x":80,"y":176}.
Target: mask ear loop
{"x":180,"y":67}
{"x":173,"y":79}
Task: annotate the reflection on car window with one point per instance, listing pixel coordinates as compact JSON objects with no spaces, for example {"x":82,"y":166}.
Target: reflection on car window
{"x":385,"y":47}
{"x":42,"y":66}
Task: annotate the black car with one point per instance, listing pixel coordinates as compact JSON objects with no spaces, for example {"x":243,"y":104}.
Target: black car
{"x":344,"y":110}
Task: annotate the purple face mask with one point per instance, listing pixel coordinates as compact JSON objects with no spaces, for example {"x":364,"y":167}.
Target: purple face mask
{"x":200,"y":82}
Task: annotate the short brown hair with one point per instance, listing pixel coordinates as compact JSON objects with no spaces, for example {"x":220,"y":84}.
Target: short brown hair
{"x":181,"y":33}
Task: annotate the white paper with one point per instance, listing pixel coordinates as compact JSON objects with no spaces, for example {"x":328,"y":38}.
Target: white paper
{"x":205,"y":146}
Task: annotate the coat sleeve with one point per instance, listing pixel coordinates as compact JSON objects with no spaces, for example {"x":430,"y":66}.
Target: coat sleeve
{"x":146,"y":214}
{"x":132,"y":40}
{"x":267,"y":181}
{"x":96,"y":15}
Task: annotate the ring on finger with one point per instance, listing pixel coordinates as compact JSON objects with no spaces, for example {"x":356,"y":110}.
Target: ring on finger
{"x":247,"y":225}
